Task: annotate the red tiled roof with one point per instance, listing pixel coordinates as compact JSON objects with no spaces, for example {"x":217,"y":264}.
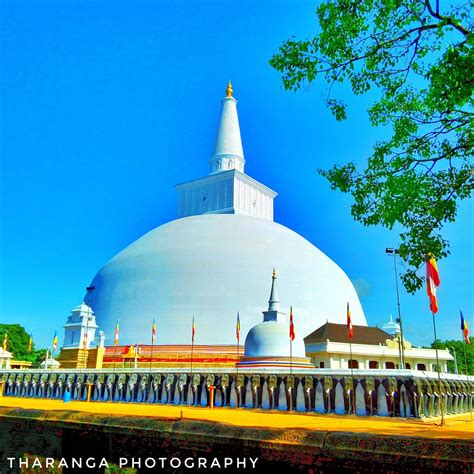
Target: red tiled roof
{"x":339,"y":333}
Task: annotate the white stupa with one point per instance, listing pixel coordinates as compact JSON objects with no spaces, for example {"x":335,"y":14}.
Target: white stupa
{"x":268,"y":344}
{"x":391,"y":327}
{"x":80,"y":328}
{"x":214,"y":261}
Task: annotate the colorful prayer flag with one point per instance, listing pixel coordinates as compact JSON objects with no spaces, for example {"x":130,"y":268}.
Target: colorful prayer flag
{"x":464,"y":329}
{"x":116,"y":337}
{"x":153,"y":331}
{"x":193,"y":331}
{"x":292,"y":326}
{"x":237,"y":327}
{"x":84,"y":341}
{"x":432,"y":281}
{"x":5,"y":341}
{"x":55,"y":341}
{"x":349,"y":323}
{"x":30,"y":343}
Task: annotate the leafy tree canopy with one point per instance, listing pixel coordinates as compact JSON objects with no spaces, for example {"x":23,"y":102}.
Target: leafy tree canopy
{"x":419,"y":58}
{"x":18,"y":342}
{"x":463,"y":352}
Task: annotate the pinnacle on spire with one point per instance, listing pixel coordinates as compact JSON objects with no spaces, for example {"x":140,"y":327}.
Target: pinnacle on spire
{"x":229,"y":90}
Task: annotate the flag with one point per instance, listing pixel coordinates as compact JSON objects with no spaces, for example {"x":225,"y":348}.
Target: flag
{"x":237,"y":327}
{"x":349,"y":323}
{"x":116,"y":337}
{"x":5,"y":341}
{"x":30,"y":343}
{"x":84,"y":341}
{"x":464,"y":329}
{"x":292,"y":326}
{"x":432,"y":282}
{"x":55,"y":341}
{"x":153,"y":331}
{"x":193,"y":330}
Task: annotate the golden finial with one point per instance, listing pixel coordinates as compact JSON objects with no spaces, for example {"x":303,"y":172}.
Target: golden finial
{"x":229,"y":90}
{"x":274,"y":275}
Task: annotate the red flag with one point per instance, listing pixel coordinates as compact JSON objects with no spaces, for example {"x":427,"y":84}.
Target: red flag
{"x":432,"y":282}
{"x":292,"y":326}
{"x":349,"y":323}
{"x":193,"y":332}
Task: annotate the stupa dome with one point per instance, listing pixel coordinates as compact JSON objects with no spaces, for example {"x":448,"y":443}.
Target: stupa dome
{"x":271,"y":339}
{"x":212,"y":266}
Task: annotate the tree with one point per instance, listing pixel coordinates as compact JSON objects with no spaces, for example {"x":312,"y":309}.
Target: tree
{"x":419,"y":60}
{"x":18,"y":342}
{"x":463,"y":352}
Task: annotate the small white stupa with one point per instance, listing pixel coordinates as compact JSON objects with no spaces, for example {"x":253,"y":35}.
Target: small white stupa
{"x":268,"y":344}
{"x":391,"y":327}
{"x":80,"y":328}
{"x":5,"y":358}
{"x":50,"y":363}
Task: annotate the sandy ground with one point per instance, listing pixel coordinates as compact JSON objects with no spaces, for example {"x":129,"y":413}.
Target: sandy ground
{"x":455,"y":427}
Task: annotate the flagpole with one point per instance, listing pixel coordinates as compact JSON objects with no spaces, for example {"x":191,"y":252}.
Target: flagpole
{"x":441,"y":401}
{"x":292,"y":336}
{"x":116,"y":342}
{"x":401,"y":348}
{"x":192,"y":348}
{"x":86,"y":336}
{"x":464,"y":355}
{"x":152,"y":343}
{"x":237,"y":335}
{"x":238,"y":354}
{"x":151,"y":354}
{"x":467,"y":372}
{"x":192,"y":354}
{"x":291,"y":356}
{"x":89,"y":290}
{"x":115,"y":356}
{"x":352,"y":376}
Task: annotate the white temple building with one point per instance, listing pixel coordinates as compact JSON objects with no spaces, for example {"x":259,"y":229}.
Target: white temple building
{"x":329,"y":347}
{"x":214,"y":260}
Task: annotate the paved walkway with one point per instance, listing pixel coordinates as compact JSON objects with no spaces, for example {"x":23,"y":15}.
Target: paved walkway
{"x":456,"y":426}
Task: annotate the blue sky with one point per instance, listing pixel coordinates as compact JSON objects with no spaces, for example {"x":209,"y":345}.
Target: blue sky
{"x":106,"y":105}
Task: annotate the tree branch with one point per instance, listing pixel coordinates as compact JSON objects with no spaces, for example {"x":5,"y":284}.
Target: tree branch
{"x":447,"y":19}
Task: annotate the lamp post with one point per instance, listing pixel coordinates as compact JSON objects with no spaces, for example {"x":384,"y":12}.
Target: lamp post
{"x":395,"y":252}
{"x":455,"y":360}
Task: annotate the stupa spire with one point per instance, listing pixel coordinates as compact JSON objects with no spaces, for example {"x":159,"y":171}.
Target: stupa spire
{"x":228,"y":153}
{"x":274,"y":301}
